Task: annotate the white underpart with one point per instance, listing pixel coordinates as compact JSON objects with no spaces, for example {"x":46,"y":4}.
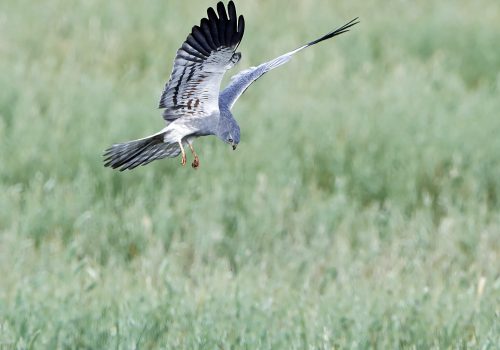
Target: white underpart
{"x":176,"y":131}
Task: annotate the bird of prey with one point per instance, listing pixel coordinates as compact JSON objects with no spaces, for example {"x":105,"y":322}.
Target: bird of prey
{"x":192,"y":101}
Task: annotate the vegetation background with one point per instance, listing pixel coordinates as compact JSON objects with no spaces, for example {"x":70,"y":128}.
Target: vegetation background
{"x":361,"y":209}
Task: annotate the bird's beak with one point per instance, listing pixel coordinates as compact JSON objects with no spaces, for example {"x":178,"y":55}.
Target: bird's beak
{"x":234,"y":147}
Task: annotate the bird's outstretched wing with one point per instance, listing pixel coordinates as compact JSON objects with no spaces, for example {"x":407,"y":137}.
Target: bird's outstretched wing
{"x":241,"y":81}
{"x":200,"y":64}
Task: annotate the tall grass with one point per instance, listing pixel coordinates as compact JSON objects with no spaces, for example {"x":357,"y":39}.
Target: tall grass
{"x":361,"y":209}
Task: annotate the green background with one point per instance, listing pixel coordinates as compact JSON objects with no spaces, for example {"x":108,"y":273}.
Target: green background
{"x":360,"y":210}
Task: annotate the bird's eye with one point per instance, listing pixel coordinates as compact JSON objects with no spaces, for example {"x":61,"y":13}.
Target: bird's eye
{"x":230,"y":140}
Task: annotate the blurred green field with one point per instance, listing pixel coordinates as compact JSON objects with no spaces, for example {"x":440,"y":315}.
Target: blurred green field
{"x":361,"y":209}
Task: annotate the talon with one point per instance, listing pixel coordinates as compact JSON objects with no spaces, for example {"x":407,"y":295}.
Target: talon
{"x":196,"y":162}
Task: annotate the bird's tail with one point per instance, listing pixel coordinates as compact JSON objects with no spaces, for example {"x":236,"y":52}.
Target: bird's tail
{"x":130,"y":155}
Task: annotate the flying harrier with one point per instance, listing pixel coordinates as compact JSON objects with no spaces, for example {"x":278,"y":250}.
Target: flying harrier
{"x":192,"y":101}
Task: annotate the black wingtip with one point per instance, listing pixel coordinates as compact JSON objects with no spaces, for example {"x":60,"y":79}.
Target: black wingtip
{"x":223,"y":27}
{"x":231,"y":9}
{"x":221,"y":10}
{"x":241,"y":26}
{"x":338,"y":31}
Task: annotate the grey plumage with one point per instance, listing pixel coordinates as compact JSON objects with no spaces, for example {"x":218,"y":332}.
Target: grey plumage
{"x":192,"y":101}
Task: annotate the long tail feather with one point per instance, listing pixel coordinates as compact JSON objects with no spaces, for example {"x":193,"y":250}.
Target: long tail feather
{"x":130,"y":155}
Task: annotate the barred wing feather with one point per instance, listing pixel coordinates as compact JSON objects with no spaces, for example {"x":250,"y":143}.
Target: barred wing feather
{"x":208,"y":52}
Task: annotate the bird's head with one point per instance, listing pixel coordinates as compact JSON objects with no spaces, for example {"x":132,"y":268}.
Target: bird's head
{"x":229,"y":132}
{"x":232,"y":136}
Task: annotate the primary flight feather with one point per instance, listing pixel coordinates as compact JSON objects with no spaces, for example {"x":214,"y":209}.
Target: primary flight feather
{"x":192,"y":101}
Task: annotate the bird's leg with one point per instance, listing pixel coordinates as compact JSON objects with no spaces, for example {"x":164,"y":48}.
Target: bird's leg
{"x":183,"y":161}
{"x":196,"y":161}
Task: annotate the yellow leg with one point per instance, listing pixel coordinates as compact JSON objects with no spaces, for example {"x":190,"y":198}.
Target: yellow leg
{"x":196,"y":161}
{"x":183,"y":161}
